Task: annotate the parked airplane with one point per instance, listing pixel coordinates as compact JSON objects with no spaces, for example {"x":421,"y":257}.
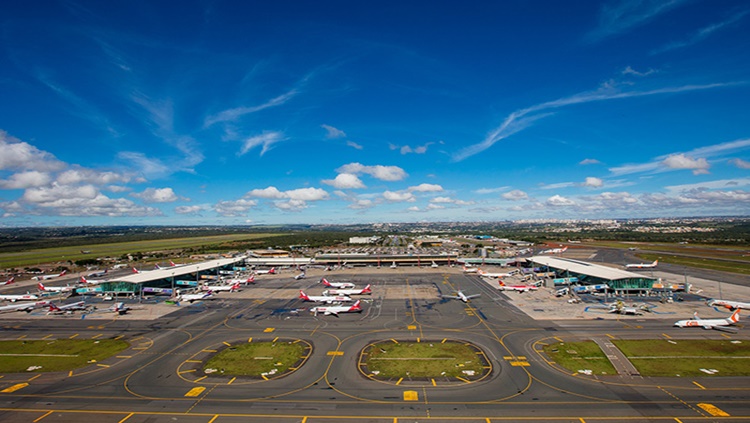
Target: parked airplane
{"x":393,"y":265}
{"x":14,"y":298}
{"x":471,"y":270}
{"x":460,"y":296}
{"x":497,"y":275}
{"x":364,"y":291}
{"x":519,"y":288}
{"x":53,"y":288}
{"x":554,"y":251}
{"x":195,"y":297}
{"x":246,"y":281}
{"x":271,"y":271}
{"x":335,"y":310}
{"x":171,"y":264}
{"x":47,"y":277}
{"x":119,"y":308}
{"x":9,"y":281}
{"x":732,"y":305}
{"x":719,"y":324}
{"x":327,"y":284}
{"x":434,"y":265}
{"x":67,"y":308}
{"x":642,"y":265}
{"x":27,"y":307}
{"x":300,"y":276}
{"x":97,"y":274}
{"x":86,"y":281}
{"x":221,"y":288}
{"x":328,"y":299}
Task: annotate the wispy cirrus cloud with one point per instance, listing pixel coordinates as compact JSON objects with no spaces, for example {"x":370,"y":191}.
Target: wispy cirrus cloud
{"x":266,"y":140}
{"x":523,"y":118}
{"x":701,"y":34}
{"x":231,"y":115}
{"x":622,"y":16}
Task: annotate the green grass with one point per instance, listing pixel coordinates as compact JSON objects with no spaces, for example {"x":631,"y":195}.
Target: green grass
{"x":654,"y":357}
{"x":702,"y":263}
{"x":115,"y":249}
{"x":576,"y":356}
{"x":422,"y":359}
{"x":75,"y":353}
{"x":256,"y":358}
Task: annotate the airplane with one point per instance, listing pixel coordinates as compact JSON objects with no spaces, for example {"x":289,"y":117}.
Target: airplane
{"x":732,"y":305}
{"x":519,"y":288}
{"x":46,"y":277}
{"x":119,"y":308}
{"x":67,"y":308}
{"x":718,"y":324}
{"x":271,"y":271}
{"x":335,"y":310}
{"x":622,"y":309}
{"x":554,"y":251}
{"x":460,"y":296}
{"x":171,"y":264}
{"x":324,"y":299}
{"x":221,"y":288}
{"x":251,"y":279}
{"x":642,"y":265}
{"x":27,"y":307}
{"x":91,"y":281}
{"x":97,"y":274}
{"x":364,"y":291}
{"x":300,"y":276}
{"x":336,"y":284}
{"x":195,"y":297}
{"x":497,"y":275}
{"x":9,"y":281}
{"x":471,"y":270}
{"x":54,"y":288}
{"x":434,"y":265}
{"x":393,"y":265}
{"x":14,"y":298}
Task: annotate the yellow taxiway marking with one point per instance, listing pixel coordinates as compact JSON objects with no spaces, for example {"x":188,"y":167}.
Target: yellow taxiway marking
{"x":193,"y":361}
{"x":209,"y":351}
{"x":39,"y":375}
{"x":232,"y":380}
{"x":216,"y":416}
{"x":433,"y":382}
{"x":304,"y":419}
{"x":610,"y":336}
{"x":443,"y":341}
{"x":119,"y":337}
{"x":97,"y":336}
{"x":399,"y":381}
{"x":250,"y":339}
{"x":335,"y":353}
{"x":186,"y":371}
{"x":21,"y":337}
{"x":411,"y":396}
{"x":227,"y":344}
{"x":418,"y":341}
{"x":140,"y":348}
{"x":102,"y":365}
{"x":558,"y":339}
{"x":666,"y":336}
{"x":677,"y":420}
{"x":713,"y":410}
{"x":394,"y":341}
{"x":520,"y":363}
{"x":698,"y":385}
{"x":195,"y":391}
{"x":123,"y":356}
{"x":411,"y":327}
{"x":41,"y":417}
{"x":200,"y":379}
{"x":582,"y":420}
{"x":726,"y":336}
{"x":274,"y":340}
{"x":70,"y":373}
{"x":263,"y":376}
{"x":14,"y":388}
{"x":48,"y":336}
{"x":269,"y":330}
{"x":126,"y":417}
{"x":462,"y":379}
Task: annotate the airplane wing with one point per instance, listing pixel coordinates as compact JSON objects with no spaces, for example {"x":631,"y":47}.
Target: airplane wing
{"x":473,"y":296}
{"x":725,"y":329}
{"x":452,"y":297}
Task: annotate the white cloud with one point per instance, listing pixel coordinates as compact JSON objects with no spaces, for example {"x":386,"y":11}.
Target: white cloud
{"x":399,"y":196}
{"x":270,"y":192}
{"x":448,"y":200}
{"x":307,"y":194}
{"x":79,"y":175}
{"x":630,"y":71}
{"x":291,"y":205}
{"x":267,"y":139}
{"x":742,"y":164}
{"x":86,"y":200}
{"x":294,"y":200}
{"x":354,"y":145}
{"x":432,"y":206}
{"x":719,"y":184}
{"x":383,"y":173}
{"x":234,"y":208}
{"x":701,"y":34}
{"x":231,"y":115}
{"x":188,"y":209}
{"x":592,"y":182}
{"x":345,"y":181}
{"x":515,"y":195}
{"x":23,"y":180}
{"x":621,"y":16}
{"x":413,"y":209}
{"x":361,"y":204}
{"x":560,"y":201}
{"x":426,"y":188}
{"x":18,"y":155}
{"x":150,"y":167}
{"x":589,"y":162}
{"x":482,"y":191}
{"x":332,"y":132}
{"x":681,"y":161}
{"x":405,"y":149}
{"x":558,"y":185}
{"x":157,"y":195}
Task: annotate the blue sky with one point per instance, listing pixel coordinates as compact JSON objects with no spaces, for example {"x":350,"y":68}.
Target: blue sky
{"x":354,"y":112}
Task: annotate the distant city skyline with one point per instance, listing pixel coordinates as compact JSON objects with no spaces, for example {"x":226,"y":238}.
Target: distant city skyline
{"x":234,"y":113}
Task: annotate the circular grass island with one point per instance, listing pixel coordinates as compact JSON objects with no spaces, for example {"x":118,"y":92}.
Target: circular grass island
{"x":262,"y":360}
{"x":445,"y":361}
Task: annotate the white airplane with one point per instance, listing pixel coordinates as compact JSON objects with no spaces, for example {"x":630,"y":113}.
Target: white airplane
{"x":119,"y":308}
{"x":434,"y":265}
{"x":328,"y":299}
{"x":732,"y":305}
{"x":335,"y":310}
{"x":719,"y":324}
{"x":271,"y":271}
{"x":171,"y":264}
{"x":27,"y":307}
{"x":23,"y":297}
{"x":9,"y":281}
{"x":86,"y":281}
{"x":364,"y":291}
{"x":53,"y":288}
{"x":497,"y":275}
{"x":300,"y":276}
{"x":221,"y":288}
{"x":471,"y":269}
{"x":195,"y":297}
{"x":460,"y":296}
{"x":251,"y":279}
{"x":554,"y":251}
{"x":67,"y":308}
{"x":642,"y":265}
{"x":393,"y":265}
{"x":46,"y":277}
{"x":327,"y":284}
{"x":518,"y":288}
{"x":97,"y":274}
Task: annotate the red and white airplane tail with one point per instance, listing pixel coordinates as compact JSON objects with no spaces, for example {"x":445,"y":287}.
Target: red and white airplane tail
{"x":272,"y":271}
{"x":355,"y":307}
{"x":325,"y":282}
{"x":53,"y":307}
{"x":303,"y":296}
{"x":41,"y":286}
{"x":735,"y":317}
{"x":367,"y":290}
{"x":136,"y":270}
{"x":9,"y":281}
{"x":83,"y":280}
{"x":171,"y":263}
{"x":251,"y":279}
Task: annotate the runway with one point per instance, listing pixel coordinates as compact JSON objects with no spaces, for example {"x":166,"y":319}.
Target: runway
{"x":159,"y":378}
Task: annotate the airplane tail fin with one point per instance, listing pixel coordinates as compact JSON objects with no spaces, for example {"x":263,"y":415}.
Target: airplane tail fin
{"x":367,"y":290}
{"x":303,"y":296}
{"x":272,"y":271}
{"x":136,"y":270}
{"x":325,"y":282}
{"x":171,"y":263}
{"x":655,"y":262}
{"x":356,"y":307}
{"x":735,"y":317}
{"x":40,"y":286}
{"x":11,"y":280}
{"x":53,"y":307}
{"x":63,"y":272}
{"x":83,"y":280}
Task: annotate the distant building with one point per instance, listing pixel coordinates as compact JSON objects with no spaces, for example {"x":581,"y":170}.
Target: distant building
{"x":363,"y":239}
{"x":269,"y":253}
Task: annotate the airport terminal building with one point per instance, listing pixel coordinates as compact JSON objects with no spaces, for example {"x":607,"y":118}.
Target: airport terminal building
{"x":594,"y":274}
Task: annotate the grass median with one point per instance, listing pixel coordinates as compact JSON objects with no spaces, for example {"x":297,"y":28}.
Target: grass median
{"x":55,"y":355}
{"x":257,"y":359}
{"x":389,"y":359}
{"x":581,"y":357}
